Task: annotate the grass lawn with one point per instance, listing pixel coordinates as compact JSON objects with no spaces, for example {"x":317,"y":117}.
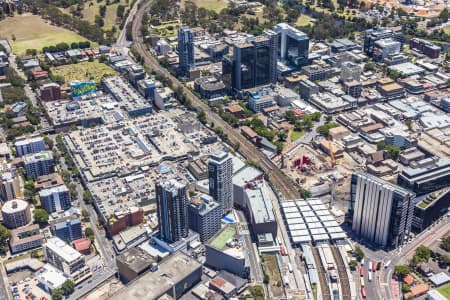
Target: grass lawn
{"x":32,"y":32}
{"x":216,"y":5}
{"x":165,"y":30}
{"x":447,"y":29}
{"x":270,"y":267}
{"x":221,"y":240}
{"x":83,"y":71}
{"x":303,"y":20}
{"x":445,"y":291}
{"x":91,"y":9}
{"x":295,"y":135}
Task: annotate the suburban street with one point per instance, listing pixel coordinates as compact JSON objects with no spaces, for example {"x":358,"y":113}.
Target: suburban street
{"x":380,"y":287}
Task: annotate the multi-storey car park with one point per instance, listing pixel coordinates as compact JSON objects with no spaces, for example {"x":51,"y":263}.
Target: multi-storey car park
{"x":121,"y":161}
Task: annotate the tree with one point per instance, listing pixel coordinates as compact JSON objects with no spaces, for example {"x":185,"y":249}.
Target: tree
{"x":40,"y":216}
{"x":422,"y":254}
{"x":402,"y":270}
{"x":57,"y":294}
{"x":445,"y":244}
{"x":4,"y":236}
{"x":359,"y":254}
{"x":325,"y":129}
{"x":68,"y":287}
{"x":89,"y":233}
{"x":87,"y":197}
{"x":352,"y":264}
{"x":304,"y":193}
{"x":266,"y":278}
{"x":394,"y":74}
{"x":406,"y":288}
{"x":85,"y":215}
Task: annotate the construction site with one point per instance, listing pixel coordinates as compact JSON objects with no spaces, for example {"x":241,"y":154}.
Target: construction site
{"x":322,"y":170}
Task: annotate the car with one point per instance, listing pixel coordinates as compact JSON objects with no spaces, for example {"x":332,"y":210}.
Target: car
{"x":89,"y":281}
{"x":80,"y":287}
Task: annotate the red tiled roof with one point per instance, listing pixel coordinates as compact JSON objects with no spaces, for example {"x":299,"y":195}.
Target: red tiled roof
{"x":82,"y":244}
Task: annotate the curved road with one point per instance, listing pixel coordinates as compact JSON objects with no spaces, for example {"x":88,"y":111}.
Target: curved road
{"x":285,"y":185}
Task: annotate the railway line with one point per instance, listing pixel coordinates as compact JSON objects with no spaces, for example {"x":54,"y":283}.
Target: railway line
{"x":345,"y":285}
{"x":322,"y":275}
{"x":285,"y":185}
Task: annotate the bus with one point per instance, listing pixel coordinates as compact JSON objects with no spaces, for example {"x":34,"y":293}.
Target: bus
{"x":362,"y":281}
{"x":290,"y":268}
{"x":361,"y":271}
{"x":370,"y":275}
{"x":362,"y":262}
{"x":363,"y":293}
{"x":374,"y":266}
{"x":386,"y":265}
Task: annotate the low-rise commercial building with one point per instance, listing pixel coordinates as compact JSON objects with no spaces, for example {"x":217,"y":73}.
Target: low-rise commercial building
{"x":210,"y":87}
{"x":259,"y":209}
{"x":430,"y":209}
{"x":173,"y":277}
{"x":225,"y":251}
{"x":427,"y":177}
{"x":133,"y":263}
{"x":261,"y":99}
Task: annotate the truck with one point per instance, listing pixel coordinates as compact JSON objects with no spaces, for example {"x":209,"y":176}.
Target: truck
{"x":290,"y":268}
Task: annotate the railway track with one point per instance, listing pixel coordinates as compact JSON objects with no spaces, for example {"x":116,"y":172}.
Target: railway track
{"x":345,"y":285}
{"x":285,"y":185}
{"x":322,"y":275}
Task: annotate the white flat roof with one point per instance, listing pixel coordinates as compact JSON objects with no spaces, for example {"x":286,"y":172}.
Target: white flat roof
{"x":311,"y":219}
{"x":62,"y":249}
{"x":293,"y":227}
{"x":293,"y":215}
{"x":299,"y":232}
{"x":290,"y":209}
{"x":323,"y":213}
{"x":319,"y":207}
{"x":327,"y":218}
{"x":300,"y":239}
{"x":295,"y":221}
{"x":339,"y":235}
{"x":304,"y":208}
{"x":315,"y":231}
{"x":287,"y":204}
{"x":334,"y":229}
{"x":320,"y":237}
{"x":330,"y":224}
{"x":308,"y":214}
{"x":315,"y":225}
{"x":51,"y":276}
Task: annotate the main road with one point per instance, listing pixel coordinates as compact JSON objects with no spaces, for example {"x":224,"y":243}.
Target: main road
{"x":285,"y":185}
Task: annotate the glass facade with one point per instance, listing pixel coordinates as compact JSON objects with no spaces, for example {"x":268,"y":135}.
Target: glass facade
{"x":262,"y":63}
{"x":297,"y":50}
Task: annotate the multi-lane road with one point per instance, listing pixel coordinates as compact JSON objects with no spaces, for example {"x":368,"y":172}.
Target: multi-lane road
{"x":285,"y":185}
